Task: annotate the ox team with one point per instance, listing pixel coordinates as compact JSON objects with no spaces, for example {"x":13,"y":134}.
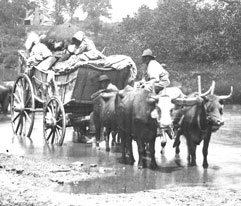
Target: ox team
{"x":139,"y":113}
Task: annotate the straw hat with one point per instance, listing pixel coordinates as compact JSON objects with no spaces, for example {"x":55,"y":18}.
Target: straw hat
{"x":103,"y":78}
{"x":147,"y":52}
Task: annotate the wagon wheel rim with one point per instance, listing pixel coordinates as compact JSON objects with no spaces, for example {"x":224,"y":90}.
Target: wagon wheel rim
{"x":54,"y":122}
{"x":22,"y":106}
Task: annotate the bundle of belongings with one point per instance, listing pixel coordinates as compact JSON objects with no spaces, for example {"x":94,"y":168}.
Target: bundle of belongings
{"x":63,"y":56}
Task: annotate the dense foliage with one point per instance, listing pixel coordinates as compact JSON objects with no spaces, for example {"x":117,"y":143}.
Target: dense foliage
{"x":181,"y":30}
{"x":191,"y":36}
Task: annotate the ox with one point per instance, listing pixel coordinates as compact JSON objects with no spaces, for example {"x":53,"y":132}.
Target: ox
{"x":139,"y":114}
{"x":134,"y":107}
{"x":5,"y":95}
{"x":199,"y":121}
{"x":163,"y":112}
{"x":104,"y":116}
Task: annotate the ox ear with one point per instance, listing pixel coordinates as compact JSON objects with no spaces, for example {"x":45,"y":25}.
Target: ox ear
{"x":186,"y":101}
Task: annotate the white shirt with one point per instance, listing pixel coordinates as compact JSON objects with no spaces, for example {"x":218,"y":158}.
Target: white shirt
{"x":155,"y":70}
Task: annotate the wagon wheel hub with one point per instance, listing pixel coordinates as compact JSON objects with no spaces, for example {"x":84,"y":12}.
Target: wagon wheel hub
{"x":19,"y":108}
{"x":51,"y":122}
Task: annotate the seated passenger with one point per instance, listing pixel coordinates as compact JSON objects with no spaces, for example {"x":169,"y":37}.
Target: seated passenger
{"x":154,"y":72}
{"x":85,"y":48}
{"x":37,"y":50}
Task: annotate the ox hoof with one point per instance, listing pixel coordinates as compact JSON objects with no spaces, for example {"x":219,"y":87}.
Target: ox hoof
{"x":153,"y":166}
{"x":107,"y":149}
{"x":192,"y":164}
{"x":205,"y":166}
{"x":122,"y":160}
{"x":131,"y":161}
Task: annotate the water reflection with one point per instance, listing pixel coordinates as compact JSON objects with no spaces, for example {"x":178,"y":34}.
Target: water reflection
{"x":224,"y":160}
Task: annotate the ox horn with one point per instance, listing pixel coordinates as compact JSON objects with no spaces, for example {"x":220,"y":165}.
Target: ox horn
{"x":210,"y":91}
{"x":227,"y":96}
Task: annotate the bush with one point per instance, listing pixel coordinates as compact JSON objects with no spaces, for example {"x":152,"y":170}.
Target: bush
{"x":11,"y":61}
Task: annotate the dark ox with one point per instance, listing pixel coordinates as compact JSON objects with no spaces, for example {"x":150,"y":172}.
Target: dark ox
{"x":199,"y":121}
{"x":5,"y":94}
{"x":104,"y":116}
{"x":134,"y":107}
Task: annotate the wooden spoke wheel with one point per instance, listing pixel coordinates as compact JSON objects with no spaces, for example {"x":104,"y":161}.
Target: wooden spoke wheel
{"x":54,"y":121}
{"x":22,"y":106}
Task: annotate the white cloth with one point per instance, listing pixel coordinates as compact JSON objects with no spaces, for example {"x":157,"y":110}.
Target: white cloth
{"x":155,"y":73}
{"x":38,"y":53}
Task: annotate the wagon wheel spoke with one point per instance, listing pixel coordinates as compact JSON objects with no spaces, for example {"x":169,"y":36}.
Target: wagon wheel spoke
{"x":53,"y":136}
{"x":18,"y":125}
{"x":16,"y":98}
{"x":27,"y":101}
{"x":16,"y":117}
{"x":59,"y":121}
{"x":57,"y":112}
{"x":24,"y":126}
{"x":26,"y":115}
{"x":49,"y":135}
{"x":58,"y":134}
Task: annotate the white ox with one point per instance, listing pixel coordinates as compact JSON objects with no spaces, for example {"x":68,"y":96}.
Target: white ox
{"x":163,"y":112}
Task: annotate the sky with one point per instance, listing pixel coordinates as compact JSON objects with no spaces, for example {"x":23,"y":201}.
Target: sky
{"x":122,"y":8}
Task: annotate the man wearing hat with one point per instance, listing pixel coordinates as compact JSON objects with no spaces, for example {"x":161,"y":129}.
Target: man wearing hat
{"x":155,"y":73}
{"x":105,"y":85}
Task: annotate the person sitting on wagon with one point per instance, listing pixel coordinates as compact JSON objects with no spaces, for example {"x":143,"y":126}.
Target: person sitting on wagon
{"x":154,"y":73}
{"x":85,"y":48}
{"x":37,"y":50}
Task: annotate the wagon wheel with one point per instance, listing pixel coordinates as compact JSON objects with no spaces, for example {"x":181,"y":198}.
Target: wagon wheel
{"x":22,"y":106}
{"x":54,"y":121}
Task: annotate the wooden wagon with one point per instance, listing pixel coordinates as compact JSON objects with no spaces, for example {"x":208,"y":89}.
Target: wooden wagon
{"x":65,"y":100}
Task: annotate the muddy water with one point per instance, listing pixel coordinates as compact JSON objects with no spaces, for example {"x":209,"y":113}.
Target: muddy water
{"x":224,"y":160}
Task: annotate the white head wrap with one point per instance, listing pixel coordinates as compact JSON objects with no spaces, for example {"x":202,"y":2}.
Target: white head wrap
{"x":32,"y":38}
{"x":79,"y":35}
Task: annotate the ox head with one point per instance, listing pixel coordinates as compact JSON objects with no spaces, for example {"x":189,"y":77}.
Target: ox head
{"x":211,"y":104}
{"x":163,"y":112}
{"x":214,"y":109}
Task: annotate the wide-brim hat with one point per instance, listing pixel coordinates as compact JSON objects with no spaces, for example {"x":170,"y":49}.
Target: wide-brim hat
{"x":148,"y":52}
{"x":103,"y":78}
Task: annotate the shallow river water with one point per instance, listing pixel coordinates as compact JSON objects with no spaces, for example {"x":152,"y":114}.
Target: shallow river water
{"x":224,"y":160}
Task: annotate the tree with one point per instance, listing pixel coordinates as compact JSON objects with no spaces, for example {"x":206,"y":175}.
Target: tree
{"x":71,"y":6}
{"x":95,"y":10}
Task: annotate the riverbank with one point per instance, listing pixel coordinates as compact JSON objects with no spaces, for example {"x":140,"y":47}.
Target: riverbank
{"x":27,"y":182}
